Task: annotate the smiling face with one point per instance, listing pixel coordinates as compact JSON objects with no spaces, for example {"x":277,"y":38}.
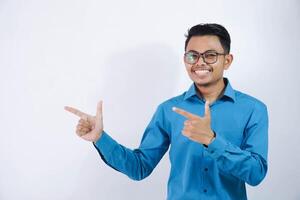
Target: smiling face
{"x":204,"y":74}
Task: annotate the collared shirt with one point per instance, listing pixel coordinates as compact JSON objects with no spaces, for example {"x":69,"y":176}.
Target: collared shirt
{"x":237,"y":155}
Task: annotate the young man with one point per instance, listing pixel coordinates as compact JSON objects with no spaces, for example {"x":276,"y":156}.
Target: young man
{"x":218,"y":136}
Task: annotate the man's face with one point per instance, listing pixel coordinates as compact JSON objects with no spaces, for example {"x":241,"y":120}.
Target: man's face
{"x":204,"y":74}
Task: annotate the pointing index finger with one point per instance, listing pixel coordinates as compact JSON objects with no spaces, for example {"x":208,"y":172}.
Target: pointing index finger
{"x":76,"y":112}
{"x":185,"y":113}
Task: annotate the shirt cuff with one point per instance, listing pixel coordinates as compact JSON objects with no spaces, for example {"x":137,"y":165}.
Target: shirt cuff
{"x":105,"y":145}
{"x":217,"y":147}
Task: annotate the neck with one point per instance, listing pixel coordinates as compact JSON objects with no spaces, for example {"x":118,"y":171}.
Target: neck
{"x":211,"y":92}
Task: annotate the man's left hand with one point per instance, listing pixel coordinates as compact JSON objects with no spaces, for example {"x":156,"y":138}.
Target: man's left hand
{"x":197,"y":128}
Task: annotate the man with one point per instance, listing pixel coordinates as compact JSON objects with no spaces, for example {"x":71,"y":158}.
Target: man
{"x":218,"y":136}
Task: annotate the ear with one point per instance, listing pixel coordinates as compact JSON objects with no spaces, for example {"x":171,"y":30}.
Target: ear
{"x":228,"y":60}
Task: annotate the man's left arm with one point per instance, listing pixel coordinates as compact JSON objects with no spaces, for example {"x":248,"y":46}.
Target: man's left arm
{"x":247,"y":162}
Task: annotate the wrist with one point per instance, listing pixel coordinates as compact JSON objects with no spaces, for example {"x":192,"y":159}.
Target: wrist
{"x":98,"y":137}
{"x":211,"y":139}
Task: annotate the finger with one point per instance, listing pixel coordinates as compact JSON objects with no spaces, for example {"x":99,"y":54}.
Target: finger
{"x":85,"y":129}
{"x":84,"y":117}
{"x":84,"y":126}
{"x":207,"y":109}
{"x":187,"y":133}
{"x":78,"y":127}
{"x":192,"y":122}
{"x":187,"y":122}
{"x":83,"y":122}
{"x":76,"y":112}
{"x":99,"y":112}
{"x":79,"y":133}
{"x":197,"y":122}
{"x":185,"y":113}
{"x":82,"y":131}
{"x":187,"y":128}
{"x":81,"y":125}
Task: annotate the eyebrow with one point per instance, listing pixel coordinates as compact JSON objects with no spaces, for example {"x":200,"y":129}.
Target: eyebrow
{"x":210,"y":50}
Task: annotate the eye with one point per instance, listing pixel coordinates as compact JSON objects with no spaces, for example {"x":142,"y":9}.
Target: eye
{"x":210,"y":55}
{"x":191,"y":57}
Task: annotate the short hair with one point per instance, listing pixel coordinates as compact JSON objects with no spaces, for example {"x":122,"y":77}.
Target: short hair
{"x":210,"y":29}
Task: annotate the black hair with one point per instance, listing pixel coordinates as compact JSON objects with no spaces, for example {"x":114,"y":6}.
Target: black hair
{"x":210,"y":29}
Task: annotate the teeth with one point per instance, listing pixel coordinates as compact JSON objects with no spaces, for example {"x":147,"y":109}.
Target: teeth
{"x":202,"y":72}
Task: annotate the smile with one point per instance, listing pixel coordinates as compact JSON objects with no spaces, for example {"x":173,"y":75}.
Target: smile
{"x":201,"y":73}
{"x":200,"y":70}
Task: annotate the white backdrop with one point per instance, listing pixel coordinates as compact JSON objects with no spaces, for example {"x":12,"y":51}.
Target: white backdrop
{"x":129,"y":53}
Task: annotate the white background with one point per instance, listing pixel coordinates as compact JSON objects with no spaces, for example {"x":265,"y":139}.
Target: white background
{"x":129,"y":54}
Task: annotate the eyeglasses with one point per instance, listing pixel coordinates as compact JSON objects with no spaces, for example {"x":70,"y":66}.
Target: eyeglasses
{"x":209,"y":57}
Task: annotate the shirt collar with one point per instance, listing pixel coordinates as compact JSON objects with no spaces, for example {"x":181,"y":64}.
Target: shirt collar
{"x":229,"y":91}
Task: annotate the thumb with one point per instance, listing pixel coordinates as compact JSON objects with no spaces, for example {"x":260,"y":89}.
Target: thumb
{"x":99,"y":112}
{"x":207,"y":109}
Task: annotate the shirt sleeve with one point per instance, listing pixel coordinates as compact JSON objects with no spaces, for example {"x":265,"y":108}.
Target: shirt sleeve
{"x":249,"y":161}
{"x":140,"y":162}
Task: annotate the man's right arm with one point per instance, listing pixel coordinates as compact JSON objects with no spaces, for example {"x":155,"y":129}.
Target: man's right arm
{"x":137,"y":163}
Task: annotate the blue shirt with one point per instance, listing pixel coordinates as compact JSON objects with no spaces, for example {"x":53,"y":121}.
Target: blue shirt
{"x":238,"y":155}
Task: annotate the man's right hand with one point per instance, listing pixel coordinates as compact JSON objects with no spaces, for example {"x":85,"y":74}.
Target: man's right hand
{"x":89,"y":127}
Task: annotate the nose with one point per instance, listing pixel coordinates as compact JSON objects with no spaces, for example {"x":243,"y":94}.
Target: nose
{"x":200,"y":61}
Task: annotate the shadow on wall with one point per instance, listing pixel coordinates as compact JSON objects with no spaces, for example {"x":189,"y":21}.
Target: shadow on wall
{"x":147,"y":71}
{"x":143,"y":77}
{"x":136,"y":81}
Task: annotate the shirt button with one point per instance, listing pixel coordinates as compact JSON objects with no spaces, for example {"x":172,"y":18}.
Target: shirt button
{"x":205,"y":190}
{"x":206,"y":169}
